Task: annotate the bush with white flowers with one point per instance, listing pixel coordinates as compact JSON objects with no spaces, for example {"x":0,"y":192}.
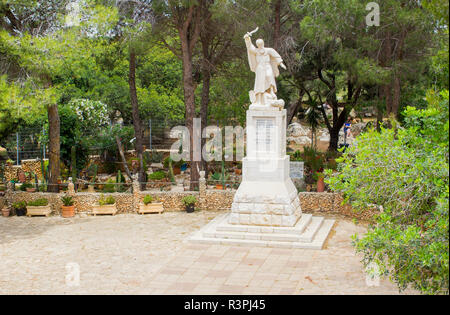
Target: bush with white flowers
{"x":91,"y":113}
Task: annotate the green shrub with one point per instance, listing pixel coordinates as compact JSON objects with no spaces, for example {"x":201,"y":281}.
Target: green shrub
{"x":38,"y":203}
{"x":313,"y":159}
{"x":189,"y":200}
{"x":159,"y":175}
{"x":110,"y":200}
{"x":24,"y":186}
{"x":21,"y":205}
{"x":67,"y":201}
{"x":109,"y":186}
{"x":153,"y":157}
{"x":148,"y":199}
{"x":405,"y":171}
{"x":296,"y":156}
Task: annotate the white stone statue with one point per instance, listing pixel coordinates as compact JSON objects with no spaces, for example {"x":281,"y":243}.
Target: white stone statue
{"x":264,"y":62}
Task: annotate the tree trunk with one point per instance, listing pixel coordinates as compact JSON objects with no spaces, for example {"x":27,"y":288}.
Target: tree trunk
{"x":386,"y":57}
{"x":339,"y":122}
{"x":206,"y":76}
{"x":54,"y":148}
{"x":294,"y":108}
{"x":136,"y":119}
{"x":334,"y":139}
{"x":396,"y":94}
{"x":122,"y":156}
{"x":189,"y":101}
{"x":276,"y":24}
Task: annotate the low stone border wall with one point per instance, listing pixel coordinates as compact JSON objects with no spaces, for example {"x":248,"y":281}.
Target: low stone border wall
{"x":311,"y":202}
{"x":331,"y":203}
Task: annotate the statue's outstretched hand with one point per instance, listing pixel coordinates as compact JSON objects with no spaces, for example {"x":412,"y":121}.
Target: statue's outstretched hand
{"x":283,"y":66}
{"x":246,"y":36}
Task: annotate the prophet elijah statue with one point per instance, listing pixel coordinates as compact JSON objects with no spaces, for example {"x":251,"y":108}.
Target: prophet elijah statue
{"x":264,"y":62}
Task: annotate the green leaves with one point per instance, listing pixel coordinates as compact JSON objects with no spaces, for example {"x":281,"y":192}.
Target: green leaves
{"x":405,"y":171}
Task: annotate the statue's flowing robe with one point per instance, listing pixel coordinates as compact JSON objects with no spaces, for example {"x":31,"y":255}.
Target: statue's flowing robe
{"x":264,"y":62}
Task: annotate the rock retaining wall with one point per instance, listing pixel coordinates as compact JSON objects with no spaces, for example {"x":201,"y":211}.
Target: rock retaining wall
{"x":331,"y":203}
{"x":324,"y":203}
{"x":27,"y":166}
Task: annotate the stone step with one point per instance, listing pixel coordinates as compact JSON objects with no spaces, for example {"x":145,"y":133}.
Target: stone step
{"x":305,"y":220}
{"x":316,"y":244}
{"x":311,"y":229}
{"x":313,"y":236}
{"x":306,"y":236}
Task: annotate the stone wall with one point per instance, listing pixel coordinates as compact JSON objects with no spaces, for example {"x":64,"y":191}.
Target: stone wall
{"x":12,"y":171}
{"x":209,"y":200}
{"x":85,"y":201}
{"x":330,"y":203}
{"x":16,"y":196}
{"x":217,"y":199}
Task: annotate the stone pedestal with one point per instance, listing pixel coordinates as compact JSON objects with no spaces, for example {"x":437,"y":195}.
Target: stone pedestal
{"x":266,"y":209}
{"x":266,"y":195}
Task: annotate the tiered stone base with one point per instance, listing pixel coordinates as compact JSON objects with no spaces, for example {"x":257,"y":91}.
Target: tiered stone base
{"x":309,"y":233}
{"x":266,"y":203}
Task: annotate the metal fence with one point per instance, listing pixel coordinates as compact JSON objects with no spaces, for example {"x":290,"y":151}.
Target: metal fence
{"x":26,"y":143}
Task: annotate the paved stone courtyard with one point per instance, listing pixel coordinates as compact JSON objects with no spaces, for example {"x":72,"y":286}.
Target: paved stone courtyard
{"x":132,"y":254}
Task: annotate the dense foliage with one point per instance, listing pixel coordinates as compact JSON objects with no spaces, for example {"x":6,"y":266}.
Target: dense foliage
{"x":405,"y":172}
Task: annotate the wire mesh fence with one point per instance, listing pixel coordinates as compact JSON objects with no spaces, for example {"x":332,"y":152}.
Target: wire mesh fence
{"x":30,"y":143}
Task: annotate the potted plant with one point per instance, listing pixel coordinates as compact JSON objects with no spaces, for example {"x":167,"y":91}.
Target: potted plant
{"x":38,"y":207}
{"x":220,"y":180}
{"x":27,"y":187}
{"x":20,"y":208}
{"x":105,"y":206}
{"x":31,"y":189}
{"x":150,"y":205}
{"x":189,"y":203}
{"x":68,"y":208}
{"x":320,"y":181}
{"x":9,"y":162}
{"x":238,"y":169}
{"x":5,"y":210}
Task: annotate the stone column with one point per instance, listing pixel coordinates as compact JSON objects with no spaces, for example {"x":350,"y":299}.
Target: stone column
{"x":202,"y":189}
{"x":9,"y":194}
{"x":136,"y":194}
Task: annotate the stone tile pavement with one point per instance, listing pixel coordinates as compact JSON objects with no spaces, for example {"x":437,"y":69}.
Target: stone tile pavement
{"x":131,"y":254}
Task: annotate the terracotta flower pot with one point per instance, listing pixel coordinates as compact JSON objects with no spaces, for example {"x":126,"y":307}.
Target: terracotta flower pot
{"x":321,"y":184}
{"x":32,"y":190}
{"x":219,"y":187}
{"x":6,"y":212}
{"x":176,"y":171}
{"x":68,"y":211}
{"x":238,"y":171}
